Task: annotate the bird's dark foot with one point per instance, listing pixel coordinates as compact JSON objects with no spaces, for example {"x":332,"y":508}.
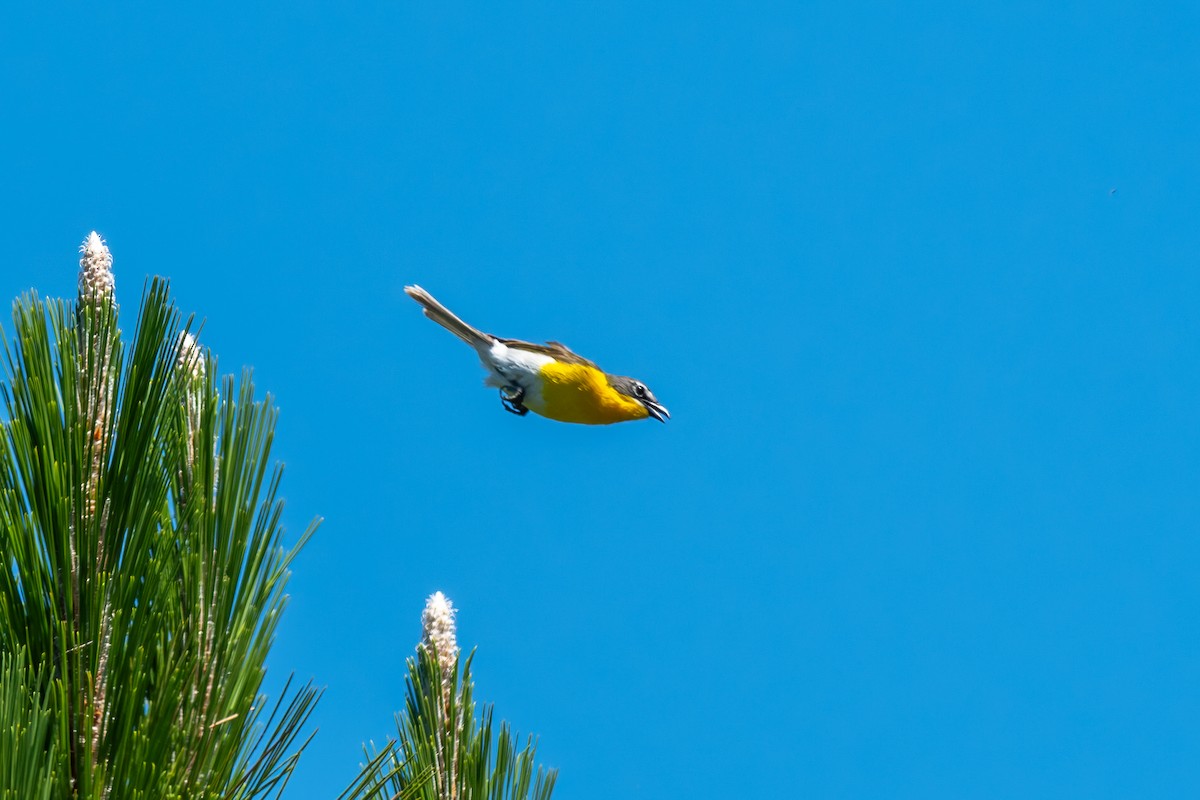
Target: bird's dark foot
{"x":512,"y":401}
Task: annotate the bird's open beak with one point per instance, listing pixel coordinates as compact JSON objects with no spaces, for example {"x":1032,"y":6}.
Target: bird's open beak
{"x":657,"y":410}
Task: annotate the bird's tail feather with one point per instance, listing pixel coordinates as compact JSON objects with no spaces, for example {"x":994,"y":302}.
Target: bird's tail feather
{"x":446,"y":318}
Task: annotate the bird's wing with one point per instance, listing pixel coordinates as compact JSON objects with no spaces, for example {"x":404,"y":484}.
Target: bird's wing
{"x":556,"y":350}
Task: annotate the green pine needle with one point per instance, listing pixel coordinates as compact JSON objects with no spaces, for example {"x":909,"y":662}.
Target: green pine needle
{"x":145,"y":575}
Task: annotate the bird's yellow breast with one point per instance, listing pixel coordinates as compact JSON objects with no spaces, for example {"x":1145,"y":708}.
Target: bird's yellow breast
{"x":579,"y":393}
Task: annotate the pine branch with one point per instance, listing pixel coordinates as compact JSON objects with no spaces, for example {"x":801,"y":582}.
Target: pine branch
{"x":446,"y":748}
{"x":143,"y":537}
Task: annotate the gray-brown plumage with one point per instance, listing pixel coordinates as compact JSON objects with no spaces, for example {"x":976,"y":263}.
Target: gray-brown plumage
{"x":474,"y":337}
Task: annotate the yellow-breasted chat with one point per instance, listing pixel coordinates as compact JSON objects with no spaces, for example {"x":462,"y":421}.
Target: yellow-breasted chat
{"x":548,"y":379}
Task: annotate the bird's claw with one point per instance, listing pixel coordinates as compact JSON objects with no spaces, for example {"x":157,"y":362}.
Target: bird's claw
{"x":512,"y":401}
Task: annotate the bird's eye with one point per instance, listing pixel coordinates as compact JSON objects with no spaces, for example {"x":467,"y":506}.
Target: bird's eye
{"x":639,"y":390}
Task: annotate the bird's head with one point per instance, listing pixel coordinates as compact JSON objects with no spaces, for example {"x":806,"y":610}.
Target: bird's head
{"x":642,"y":394}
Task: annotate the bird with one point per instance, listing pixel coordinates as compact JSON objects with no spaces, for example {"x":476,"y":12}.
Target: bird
{"x":548,"y":379}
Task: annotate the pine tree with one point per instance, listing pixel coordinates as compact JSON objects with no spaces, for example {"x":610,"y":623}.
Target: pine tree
{"x":144,"y":576}
{"x":143,"y":569}
{"x":446,"y":748}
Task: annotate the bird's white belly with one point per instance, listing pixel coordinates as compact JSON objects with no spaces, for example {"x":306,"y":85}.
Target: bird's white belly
{"x":512,"y":367}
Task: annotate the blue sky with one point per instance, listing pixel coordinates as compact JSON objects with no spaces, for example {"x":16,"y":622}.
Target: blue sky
{"x":918,"y":284}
